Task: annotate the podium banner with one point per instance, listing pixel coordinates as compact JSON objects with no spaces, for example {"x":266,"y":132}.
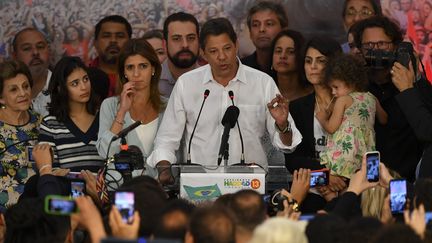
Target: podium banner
{"x":210,"y":184}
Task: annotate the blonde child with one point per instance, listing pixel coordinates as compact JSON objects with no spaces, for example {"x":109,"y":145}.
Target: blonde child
{"x":351,"y":123}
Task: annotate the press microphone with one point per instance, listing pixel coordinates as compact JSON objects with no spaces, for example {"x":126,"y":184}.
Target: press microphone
{"x":125,"y":131}
{"x":228,"y":121}
{"x":206,"y":94}
{"x":242,"y":160}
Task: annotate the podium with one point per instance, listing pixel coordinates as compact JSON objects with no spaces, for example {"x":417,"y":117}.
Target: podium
{"x":199,"y":183}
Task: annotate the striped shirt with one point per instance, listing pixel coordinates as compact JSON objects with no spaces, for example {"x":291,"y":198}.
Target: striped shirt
{"x":73,"y":148}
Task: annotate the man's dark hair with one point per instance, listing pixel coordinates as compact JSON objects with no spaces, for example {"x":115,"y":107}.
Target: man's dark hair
{"x":325,"y":228}
{"x":115,"y":19}
{"x":396,"y":233}
{"x":182,"y":17}
{"x":376,"y":7}
{"x":217,"y":27}
{"x":362,"y":229}
{"x":391,"y":29}
{"x":150,"y":198}
{"x":212,"y":225}
{"x":27,"y":222}
{"x":249,"y":209}
{"x":174,"y":220}
{"x":157,"y":33}
{"x":58,"y":88}
{"x":277,"y":8}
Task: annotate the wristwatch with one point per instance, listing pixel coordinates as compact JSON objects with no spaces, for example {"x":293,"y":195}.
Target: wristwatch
{"x":286,"y":130}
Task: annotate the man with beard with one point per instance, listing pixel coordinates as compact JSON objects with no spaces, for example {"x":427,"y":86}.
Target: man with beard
{"x":111,"y":33}
{"x":265,"y":20}
{"x":181,"y":37}
{"x":31,"y":47}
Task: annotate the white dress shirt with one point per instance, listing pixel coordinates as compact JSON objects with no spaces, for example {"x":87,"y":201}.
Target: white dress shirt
{"x":40,"y":102}
{"x":252,"y":89}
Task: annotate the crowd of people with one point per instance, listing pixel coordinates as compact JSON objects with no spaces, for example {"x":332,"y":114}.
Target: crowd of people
{"x":144,"y":104}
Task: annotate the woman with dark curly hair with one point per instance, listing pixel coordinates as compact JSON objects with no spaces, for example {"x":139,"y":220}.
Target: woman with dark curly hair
{"x":72,"y":125}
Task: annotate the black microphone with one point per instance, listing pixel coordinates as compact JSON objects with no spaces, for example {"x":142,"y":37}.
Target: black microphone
{"x":125,"y":131}
{"x":242,"y":160}
{"x":206,"y":94}
{"x":228,"y":121}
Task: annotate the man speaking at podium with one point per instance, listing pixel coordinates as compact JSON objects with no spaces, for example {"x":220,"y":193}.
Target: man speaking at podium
{"x":215,"y":87}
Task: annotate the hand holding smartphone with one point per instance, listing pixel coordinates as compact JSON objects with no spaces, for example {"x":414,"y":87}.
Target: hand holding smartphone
{"x":372,"y":166}
{"x":319,"y":178}
{"x":125,"y":202}
{"x":60,"y":205}
{"x":398,"y":195}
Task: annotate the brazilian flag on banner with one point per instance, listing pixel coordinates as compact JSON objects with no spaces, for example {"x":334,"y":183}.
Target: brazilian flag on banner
{"x":203,"y":192}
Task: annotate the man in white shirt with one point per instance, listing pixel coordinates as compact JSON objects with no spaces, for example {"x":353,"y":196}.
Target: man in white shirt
{"x":31,"y":47}
{"x":256,"y":95}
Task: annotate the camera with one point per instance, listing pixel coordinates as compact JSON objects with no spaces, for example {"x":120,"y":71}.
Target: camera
{"x":274,"y":202}
{"x":381,"y":59}
{"x":129,"y":160}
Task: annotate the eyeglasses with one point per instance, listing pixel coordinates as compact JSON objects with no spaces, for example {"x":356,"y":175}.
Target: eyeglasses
{"x":364,"y":13}
{"x":382,"y":45}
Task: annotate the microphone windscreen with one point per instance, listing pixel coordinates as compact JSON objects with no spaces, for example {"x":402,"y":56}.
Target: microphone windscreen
{"x":231,"y":115}
{"x":206,"y":93}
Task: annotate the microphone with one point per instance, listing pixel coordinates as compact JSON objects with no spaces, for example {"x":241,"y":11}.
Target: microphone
{"x":206,"y":94}
{"x":242,"y":160}
{"x":125,"y":131}
{"x":228,"y":121}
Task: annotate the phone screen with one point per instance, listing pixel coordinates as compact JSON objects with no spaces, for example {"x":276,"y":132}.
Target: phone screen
{"x":398,"y":193}
{"x":319,"y":178}
{"x":372,"y":166}
{"x":78,"y":188}
{"x":61,"y":206}
{"x":124,"y":202}
{"x":306,"y":217}
{"x":428,"y":217}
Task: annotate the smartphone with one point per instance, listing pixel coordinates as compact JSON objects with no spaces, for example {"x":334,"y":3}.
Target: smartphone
{"x":78,"y":187}
{"x":74,"y":175}
{"x":428,"y":217}
{"x":372,"y":166}
{"x":306,"y":217}
{"x":60,"y":205}
{"x":398,"y":195}
{"x":125,"y":202}
{"x":30,"y":161}
{"x":319,"y":178}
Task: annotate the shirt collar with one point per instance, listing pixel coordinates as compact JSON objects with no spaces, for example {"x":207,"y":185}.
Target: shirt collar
{"x":240,"y":75}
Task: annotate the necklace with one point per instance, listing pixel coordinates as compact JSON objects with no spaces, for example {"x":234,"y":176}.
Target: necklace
{"x":327,"y":107}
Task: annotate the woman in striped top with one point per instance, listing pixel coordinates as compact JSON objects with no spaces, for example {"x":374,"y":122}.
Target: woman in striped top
{"x":72,"y":125}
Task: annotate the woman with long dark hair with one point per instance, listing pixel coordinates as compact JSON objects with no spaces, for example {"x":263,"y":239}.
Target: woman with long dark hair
{"x":72,"y":125}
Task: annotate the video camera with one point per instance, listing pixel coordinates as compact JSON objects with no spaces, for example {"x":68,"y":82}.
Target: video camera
{"x":129,"y":160}
{"x":381,"y":59}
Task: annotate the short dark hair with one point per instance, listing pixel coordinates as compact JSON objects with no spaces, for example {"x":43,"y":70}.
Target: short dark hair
{"x":277,"y":8}
{"x":179,"y":209}
{"x":396,"y":233}
{"x":375,"y":5}
{"x":59,"y":105}
{"x":157,"y":33}
{"x":325,"y":45}
{"x":391,"y":29}
{"x":116,"y":19}
{"x":182,"y":17}
{"x":14,"y":41}
{"x":212,"y":225}
{"x":10,"y":69}
{"x":143,"y":48}
{"x":217,"y":27}
{"x":249,"y":209}
{"x":348,"y":69}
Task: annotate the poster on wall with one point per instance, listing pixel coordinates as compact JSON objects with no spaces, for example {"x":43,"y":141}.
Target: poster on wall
{"x":69,"y":25}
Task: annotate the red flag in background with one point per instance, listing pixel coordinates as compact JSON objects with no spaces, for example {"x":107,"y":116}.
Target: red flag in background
{"x":411,"y":32}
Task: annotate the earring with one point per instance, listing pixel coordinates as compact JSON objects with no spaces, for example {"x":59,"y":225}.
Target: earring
{"x":125,"y":76}
{"x":153,"y":73}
